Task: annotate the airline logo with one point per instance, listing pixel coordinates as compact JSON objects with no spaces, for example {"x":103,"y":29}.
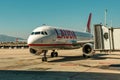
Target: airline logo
{"x":65,"y":34}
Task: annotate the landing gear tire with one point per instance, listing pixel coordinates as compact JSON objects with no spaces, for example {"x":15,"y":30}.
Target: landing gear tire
{"x":44,"y":59}
{"x":84,"y":56}
{"x":54,"y":54}
{"x":88,"y":56}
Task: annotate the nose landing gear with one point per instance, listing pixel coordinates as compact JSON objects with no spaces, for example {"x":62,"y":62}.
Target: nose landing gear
{"x":44,"y":59}
{"x":53,"y":54}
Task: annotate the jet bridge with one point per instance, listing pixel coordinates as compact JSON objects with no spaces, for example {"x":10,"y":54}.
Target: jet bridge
{"x":106,"y":39}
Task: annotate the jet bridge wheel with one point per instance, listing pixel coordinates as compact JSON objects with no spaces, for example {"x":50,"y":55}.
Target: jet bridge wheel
{"x":54,"y":54}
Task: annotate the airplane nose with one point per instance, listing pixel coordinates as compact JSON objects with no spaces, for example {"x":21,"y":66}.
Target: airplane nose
{"x":31,"y":40}
{"x":35,"y":40}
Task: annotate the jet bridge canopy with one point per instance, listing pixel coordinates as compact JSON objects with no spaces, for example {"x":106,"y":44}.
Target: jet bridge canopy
{"x":106,"y":38}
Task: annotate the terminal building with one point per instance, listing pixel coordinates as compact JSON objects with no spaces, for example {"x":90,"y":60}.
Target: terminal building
{"x":13,"y":45}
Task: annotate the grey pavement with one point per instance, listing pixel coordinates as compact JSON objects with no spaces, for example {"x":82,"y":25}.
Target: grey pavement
{"x":56,"y":75}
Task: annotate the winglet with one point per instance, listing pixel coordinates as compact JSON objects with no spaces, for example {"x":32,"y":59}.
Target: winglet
{"x":88,"y":23}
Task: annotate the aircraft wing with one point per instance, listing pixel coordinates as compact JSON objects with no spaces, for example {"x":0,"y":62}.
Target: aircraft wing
{"x":78,"y":44}
{"x":86,"y":41}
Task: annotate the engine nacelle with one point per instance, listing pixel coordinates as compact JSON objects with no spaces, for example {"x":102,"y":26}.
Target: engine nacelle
{"x":35,"y":52}
{"x":87,"y":50}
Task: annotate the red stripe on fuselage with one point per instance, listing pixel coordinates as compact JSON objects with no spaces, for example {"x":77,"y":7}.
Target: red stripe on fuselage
{"x":50,"y":44}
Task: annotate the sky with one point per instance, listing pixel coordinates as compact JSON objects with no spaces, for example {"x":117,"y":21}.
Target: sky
{"x":19,"y":17}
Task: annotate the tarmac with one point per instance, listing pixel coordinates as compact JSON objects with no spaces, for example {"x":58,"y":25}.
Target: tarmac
{"x":19,"y":64}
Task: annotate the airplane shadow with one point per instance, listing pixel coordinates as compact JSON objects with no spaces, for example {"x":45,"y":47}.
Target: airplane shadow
{"x":75,"y":58}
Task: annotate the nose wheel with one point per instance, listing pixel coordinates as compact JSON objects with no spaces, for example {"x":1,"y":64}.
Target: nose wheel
{"x":53,"y":54}
{"x":44,"y":59}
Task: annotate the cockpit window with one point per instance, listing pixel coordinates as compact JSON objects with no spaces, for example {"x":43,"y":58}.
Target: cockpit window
{"x":38,"y":33}
{"x":32,"y":33}
{"x":46,"y":33}
{"x":42,"y":33}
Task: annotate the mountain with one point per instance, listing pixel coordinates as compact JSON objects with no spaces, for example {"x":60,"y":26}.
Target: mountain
{"x":6,"y":38}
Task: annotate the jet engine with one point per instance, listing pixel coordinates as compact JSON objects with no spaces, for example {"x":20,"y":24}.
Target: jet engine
{"x":87,"y":50}
{"x":35,"y":52}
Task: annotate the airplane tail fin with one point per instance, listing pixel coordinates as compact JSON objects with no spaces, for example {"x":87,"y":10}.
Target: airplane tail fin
{"x":88,"y":29}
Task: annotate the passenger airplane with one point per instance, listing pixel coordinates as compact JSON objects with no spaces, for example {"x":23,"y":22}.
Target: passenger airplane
{"x":46,"y":38}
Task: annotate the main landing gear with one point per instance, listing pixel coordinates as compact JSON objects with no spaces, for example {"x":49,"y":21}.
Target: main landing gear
{"x":53,"y":54}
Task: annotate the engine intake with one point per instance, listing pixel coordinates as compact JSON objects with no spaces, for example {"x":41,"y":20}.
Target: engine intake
{"x":35,"y":52}
{"x":87,"y":50}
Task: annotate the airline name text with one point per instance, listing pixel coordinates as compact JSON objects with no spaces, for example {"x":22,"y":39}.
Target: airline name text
{"x":66,"y":34}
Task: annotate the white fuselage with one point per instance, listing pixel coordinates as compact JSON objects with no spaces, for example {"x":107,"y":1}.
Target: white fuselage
{"x":50,"y":38}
